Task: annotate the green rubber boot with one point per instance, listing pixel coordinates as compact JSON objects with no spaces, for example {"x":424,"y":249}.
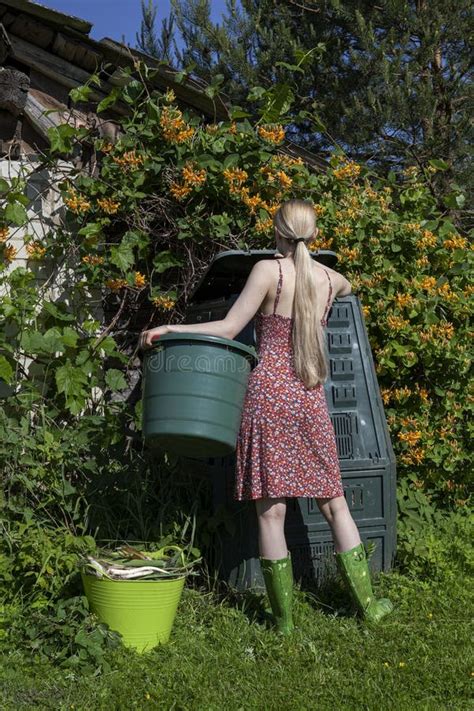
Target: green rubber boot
{"x":354,"y":570}
{"x":278,"y":576}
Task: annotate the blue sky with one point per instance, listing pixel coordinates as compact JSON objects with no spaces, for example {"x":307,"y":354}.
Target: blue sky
{"x":117,"y":18}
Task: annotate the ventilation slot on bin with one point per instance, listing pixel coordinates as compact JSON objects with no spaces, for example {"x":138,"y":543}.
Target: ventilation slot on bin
{"x":312,"y":562}
{"x":344,"y":396}
{"x":343,"y":429}
{"x":340,"y":343}
{"x":342,"y":369}
{"x":355,"y":497}
{"x":339,"y":317}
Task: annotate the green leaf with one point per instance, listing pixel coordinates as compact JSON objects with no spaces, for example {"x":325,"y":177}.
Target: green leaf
{"x":4,"y":186}
{"x":439,"y":164}
{"x":70,"y":337}
{"x":115,"y":379}
{"x":58,"y":310}
{"x":60,"y":138}
{"x":237,"y":112}
{"x":70,"y":380}
{"x":109,"y":100}
{"x":16,"y":213}
{"x":52,"y":341}
{"x":280,"y":99}
{"x":256,"y":92}
{"x":6,"y":371}
{"x":230,"y":160}
{"x":165,"y":260}
{"x":91,"y":229}
{"x":122,"y":256}
{"x":80,"y":93}
{"x":455,"y":200}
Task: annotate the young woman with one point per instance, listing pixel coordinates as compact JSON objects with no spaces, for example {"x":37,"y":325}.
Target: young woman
{"x":286,"y":445}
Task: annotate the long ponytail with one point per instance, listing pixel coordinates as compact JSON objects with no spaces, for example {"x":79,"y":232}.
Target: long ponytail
{"x":295,"y":221}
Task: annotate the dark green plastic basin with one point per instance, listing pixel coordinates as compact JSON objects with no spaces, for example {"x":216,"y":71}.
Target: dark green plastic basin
{"x":193,"y":391}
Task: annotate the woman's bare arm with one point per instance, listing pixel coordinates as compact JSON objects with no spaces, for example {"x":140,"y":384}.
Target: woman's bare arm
{"x":341,"y":285}
{"x":242,"y":310}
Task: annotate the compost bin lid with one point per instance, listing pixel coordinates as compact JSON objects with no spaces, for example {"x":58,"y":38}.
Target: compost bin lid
{"x":228,"y":271}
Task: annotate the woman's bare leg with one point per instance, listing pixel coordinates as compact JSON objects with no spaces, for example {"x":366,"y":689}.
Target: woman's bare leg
{"x":344,"y":530}
{"x":271,"y":522}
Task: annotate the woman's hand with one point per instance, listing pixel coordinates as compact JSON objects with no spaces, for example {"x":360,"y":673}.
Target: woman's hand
{"x":146,"y":338}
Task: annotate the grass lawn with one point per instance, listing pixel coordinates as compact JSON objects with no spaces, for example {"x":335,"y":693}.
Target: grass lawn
{"x":222,"y":656}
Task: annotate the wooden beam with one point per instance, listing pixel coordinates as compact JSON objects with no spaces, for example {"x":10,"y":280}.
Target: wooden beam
{"x":34,"y":111}
{"x":50,"y":16}
{"x":58,"y":69}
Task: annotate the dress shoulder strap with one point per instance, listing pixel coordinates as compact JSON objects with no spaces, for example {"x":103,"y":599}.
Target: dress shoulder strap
{"x":279,"y":285}
{"x":326,"y":310}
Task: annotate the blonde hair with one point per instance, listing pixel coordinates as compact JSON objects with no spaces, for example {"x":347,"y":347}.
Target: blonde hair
{"x":296,"y":220}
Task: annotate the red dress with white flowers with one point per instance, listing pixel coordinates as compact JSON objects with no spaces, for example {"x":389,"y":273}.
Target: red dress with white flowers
{"x":286,"y":444}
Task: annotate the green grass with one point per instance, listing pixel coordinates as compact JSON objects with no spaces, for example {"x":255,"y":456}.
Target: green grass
{"x":222,"y":656}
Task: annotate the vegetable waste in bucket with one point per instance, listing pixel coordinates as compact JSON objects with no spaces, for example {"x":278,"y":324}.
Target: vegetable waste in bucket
{"x":143,"y":611}
{"x":193,"y":392}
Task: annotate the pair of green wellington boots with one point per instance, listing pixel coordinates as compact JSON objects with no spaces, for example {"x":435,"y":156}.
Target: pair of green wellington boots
{"x":354,"y":569}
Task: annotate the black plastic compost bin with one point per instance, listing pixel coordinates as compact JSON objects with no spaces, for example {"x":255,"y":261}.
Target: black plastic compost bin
{"x":365,"y":452}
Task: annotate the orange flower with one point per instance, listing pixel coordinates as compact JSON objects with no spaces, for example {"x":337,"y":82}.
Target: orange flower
{"x":385,"y":394}
{"x":140,"y":280}
{"x":9,"y":253}
{"x":263,"y":225}
{"x":235,"y":175}
{"x":351,"y":254}
{"x":175,"y":129}
{"x":35,"y":250}
{"x":163,"y":302}
{"x":76,"y":203}
{"x":108,"y":205}
{"x":3,"y":234}
{"x":191,"y":176}
{"x":169,"y":96}
{"x":272,"y":134}
{"x":410,"y":437}
{"x":285,"y":180}
{"x":428,"y":239}
{"x":116,"y":284}
{"x":455,"y":242}
{"x":428,"y":283}
{"x":92,"y":259}
{"x":347,"y":170}
{"x":179,"y":191}
{"x":401,"y":393}
{"x":445,"y":291}
{"x":397,"y":323}
{"x":129,"y":159}
{"x":343,"y":230}
{"x":404,"y":300}
{"x":320,"y":243}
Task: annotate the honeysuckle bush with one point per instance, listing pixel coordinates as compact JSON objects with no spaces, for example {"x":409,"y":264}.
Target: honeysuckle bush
{"x":138,"y":226}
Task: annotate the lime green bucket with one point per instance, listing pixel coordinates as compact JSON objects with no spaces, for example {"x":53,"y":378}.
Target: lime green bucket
{"x":193,"y":392}
{"x":143,"y":611}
